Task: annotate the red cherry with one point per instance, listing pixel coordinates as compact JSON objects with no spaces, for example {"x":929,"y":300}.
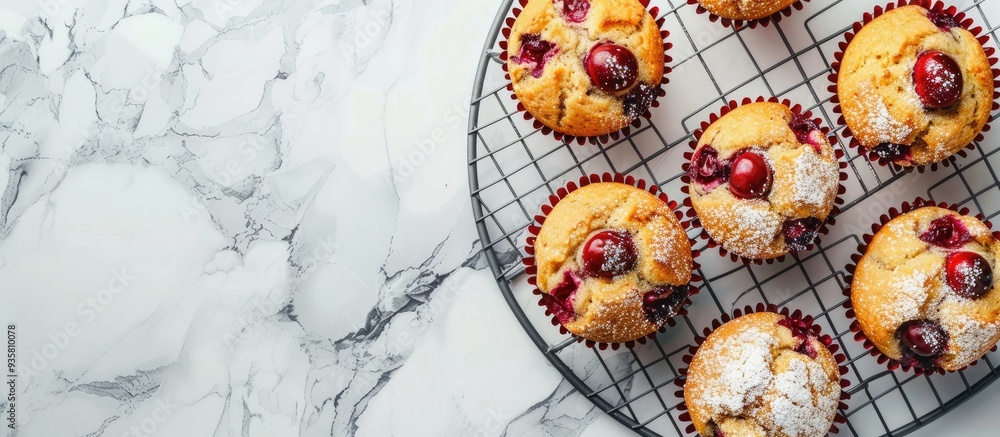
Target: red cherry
{"x":559,"y":301}
{"x":612,"y":68}
{"x":609,"y":253}
{"x":942,"y":20}
{"x":807,"y":132}
{"x":799,"y":327}
{"x":938,"y":80}
{"x":893,"y":152}
{"x":924,"y":338}
{"x":575,"y":11}
{"x":750,"y":177}
{"x":803,"y":333}
{"x":969,"y":274}
{"x":638,"y":100}
{"x":947,"y":232}
{"x":800,"y":233}
{"x":663,"y":303}
{"x":707,"y":169}
{"x":534,"y":53}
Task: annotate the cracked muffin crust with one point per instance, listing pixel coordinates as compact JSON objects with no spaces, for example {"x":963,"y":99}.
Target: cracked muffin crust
{"x":585,"y":67}
{"x":763,"y":180}
{"x":614,"y":263}
{"x":763,"y":374}
{"x":914,"y":86}
{"x":745,"y":9}
{"x":924,"y":292}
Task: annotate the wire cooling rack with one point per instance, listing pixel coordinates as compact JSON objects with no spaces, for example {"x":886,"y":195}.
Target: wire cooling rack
{"x":513,"y":168}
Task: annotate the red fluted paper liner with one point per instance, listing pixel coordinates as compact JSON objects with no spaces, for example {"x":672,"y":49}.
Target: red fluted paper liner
{"x":603,"y":139}
{"x":760,"y":308}
{"x":967,"y":23}
{"x":737,"y":24}
{"x":532,"y":269}
{"x":859,"y":335}
{"x":686,"y":179}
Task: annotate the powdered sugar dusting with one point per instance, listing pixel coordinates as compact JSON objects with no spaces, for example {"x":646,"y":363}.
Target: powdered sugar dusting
{"x":941,"y":77}
{"x":815,"y":178}
{"x":969,"y":337}
{"x":911,"y":295}
{"x":606,"y":320}
{"x":618,"y":257}
{"x":879,"y":125}
{"x":662,"y":250}
{"x":799,"y":400}
{"x":757,"y":227}
{"x":744,"y":376}
{"x":796,"y":410}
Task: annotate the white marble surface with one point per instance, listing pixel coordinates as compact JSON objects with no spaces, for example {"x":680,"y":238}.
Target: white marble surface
{"x":251,"y":217}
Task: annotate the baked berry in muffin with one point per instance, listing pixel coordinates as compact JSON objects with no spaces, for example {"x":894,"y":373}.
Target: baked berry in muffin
{"x":613,"y":262}
{"x":763,"y":180}
{"x":763,"y":374}
{"x":924,"y":292}
{"x":745,"y":9}
{"x":585,"y":67}
{"x":914,"y":86}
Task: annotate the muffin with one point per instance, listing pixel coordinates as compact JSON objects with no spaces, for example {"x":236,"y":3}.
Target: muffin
{"x":924,"y":293}
{"x":745,"y":9}
{"x":763,"y":180}
{"x":914,"y":86}
{"x":585,"y":68}
{"x":613,"y":262}
{"x":763,"y":374}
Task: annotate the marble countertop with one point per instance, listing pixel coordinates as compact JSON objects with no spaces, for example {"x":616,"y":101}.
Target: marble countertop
{"x":252,"y":217}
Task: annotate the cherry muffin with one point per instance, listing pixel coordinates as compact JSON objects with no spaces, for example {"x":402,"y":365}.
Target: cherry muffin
{"x":924,"y":292}
{"x":613,"y":262}
{"x":585,"y":68}
{"x":914,"y":86}
{"x":763,"y":180}
{"x":745,"y":9}
{"x":763,"y":374}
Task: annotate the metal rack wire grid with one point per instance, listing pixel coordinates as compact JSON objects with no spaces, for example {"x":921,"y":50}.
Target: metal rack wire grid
{"x":513,"y":168}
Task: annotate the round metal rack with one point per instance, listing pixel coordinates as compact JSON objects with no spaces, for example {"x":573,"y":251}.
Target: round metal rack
{"x":514,"y":168}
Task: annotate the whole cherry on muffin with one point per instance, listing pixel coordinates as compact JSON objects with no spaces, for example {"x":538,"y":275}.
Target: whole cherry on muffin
{"x":924,"y":292}
{"x":914,"y":86}
{"x":618,"y":79}
{"x":613,"y":262}
{"x":763,"y":374}
{"x":763,"y":180}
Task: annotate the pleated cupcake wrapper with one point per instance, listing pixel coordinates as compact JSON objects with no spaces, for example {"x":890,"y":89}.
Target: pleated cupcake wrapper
{"x":841,"y":359}
{"x":602,"y":139}
{"x":739,"y":24}
{"x":532,"y":269}
{"x":934,"y":5}
{"x":686,"y":179}
{"x":859,"y":335}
